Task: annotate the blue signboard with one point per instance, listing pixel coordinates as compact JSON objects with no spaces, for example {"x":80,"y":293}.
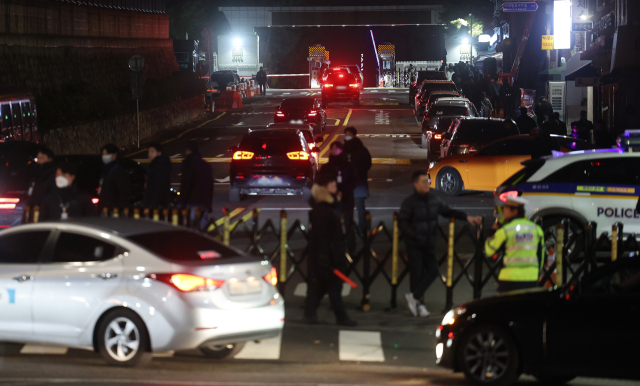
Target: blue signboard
{"x":520,"y":7}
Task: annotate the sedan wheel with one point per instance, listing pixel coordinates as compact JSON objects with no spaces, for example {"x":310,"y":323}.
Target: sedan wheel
{"x":449,"y":182}
{"x":488,"y":356}
{"x":222,"y":351}
{"x":123,"y":339}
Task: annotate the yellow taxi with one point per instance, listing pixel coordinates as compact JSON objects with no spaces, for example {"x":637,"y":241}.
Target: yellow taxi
{"x":491,"y":165}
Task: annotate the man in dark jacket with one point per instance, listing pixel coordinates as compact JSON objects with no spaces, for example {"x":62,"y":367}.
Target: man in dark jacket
{"x":525,"y":122}
{"x":562,"y":127}
{"x":359,"y":155}
{"x":157,"y":190}
{"x":544,"y":110}
{"x":326,"y":251}
{"x":115,"y":186}
{"x":44,"y":179}
{"x":261,"y":78}
{"x":418,"y":221}
{"x":196,"y":187}
{"x":583,"y":129}
{"x":66,"y":201}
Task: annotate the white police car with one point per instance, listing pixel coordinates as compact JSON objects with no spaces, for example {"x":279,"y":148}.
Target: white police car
{"x":593,"y":185}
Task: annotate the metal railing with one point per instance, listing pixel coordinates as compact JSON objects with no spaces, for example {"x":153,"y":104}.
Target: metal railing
{"x":154,"y":6}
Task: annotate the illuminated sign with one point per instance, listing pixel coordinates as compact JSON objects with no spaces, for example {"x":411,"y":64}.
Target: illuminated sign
{"x":562,"y":24}
{"x":316,"y":51}
{"x":465,"y":52}
{"x":547,"y":42}
{"x":237,"y":55}
{"x":386,"y":50}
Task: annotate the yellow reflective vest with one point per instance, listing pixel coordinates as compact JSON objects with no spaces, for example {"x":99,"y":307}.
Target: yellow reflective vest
{"x":523,"y":243}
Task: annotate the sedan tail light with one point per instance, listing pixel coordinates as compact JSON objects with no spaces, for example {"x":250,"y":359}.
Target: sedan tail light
{"x":353,"y":85}
{"x":438,"y":136}
{"x":279,"y":113}
{"x":272,"y":277}
{"x":511,"y":193}
{"x":187,"y":283}
{"x":298,"y":155}
{"x":95,"y":201}
{"x":8,"y":203}
{"x":242,"y":155}
{"x":313,"y":113}
{"x":327,"y":85}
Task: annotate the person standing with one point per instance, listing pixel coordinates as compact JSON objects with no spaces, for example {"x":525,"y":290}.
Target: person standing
{"x":544,"y":110}
{"x":485,"y":106}
{"x":44,"y":179}
{"x":507,"y":95}
{"x":562,"y":127}
{"x":326,"y":252}
{"x":525,"y":122}
{"x":522,"y":242}
{"x":66,"y":201}
{"x":583,"y":129}
{"x":157,"y":191}
{"x":115,"y":189}
{"x":418,"y":221}
{"x":359,"y":155}
{"x":261,"y":77}
{"x":196,"y":186}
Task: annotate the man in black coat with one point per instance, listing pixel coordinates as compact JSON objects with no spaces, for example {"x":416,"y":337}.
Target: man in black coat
{"x":66,"y":201}
{"x":562,"y":126}
{"x":583,"y":129}
{"x":418,"y":221}
{"x":44,"y":179}
{"x":544,"y":110}
{"x":525,"y":122}
{"x":326,"y":251}
{"x":157,"y":190}
{"x":346,"y":177}
{"x":115,"y":186}
{"x":261,"y":78}
{"x":196,"y":186}
{"x":359,"y":155}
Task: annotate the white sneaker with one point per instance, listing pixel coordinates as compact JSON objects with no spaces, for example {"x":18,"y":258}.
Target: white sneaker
{"x":412,"y":303}
{"x":422,"y":311}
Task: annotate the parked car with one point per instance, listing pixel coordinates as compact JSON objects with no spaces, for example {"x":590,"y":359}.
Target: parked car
{"x":422,"y":76}
{"x":128,"y":288}
{"x":304,"y":110}
{"x":468,"y":135}
{"x":439,"y":119}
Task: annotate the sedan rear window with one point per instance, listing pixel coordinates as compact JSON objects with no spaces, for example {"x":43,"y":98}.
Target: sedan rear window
{"x":484,"y":131}
{"x":437,"y":111}
{"x":297,"y":103}
{"x":271,"y":144}
{"x":183,"y":246}
{"x":344,"y":78}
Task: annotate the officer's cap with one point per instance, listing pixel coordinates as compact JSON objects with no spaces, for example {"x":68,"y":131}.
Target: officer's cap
{"x":515,"y":202}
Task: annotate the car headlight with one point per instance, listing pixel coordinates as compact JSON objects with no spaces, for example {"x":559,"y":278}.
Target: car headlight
{"x":439,"y":350}
{"x":451,"y":316}
{"x":432,"y":164}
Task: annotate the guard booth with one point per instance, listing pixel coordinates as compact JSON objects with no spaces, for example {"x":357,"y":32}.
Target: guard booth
{"x":318,"y":61}
{"x":387,"y":54}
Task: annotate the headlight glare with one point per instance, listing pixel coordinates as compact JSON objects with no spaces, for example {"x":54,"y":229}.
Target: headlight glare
{"x":451,"y":316}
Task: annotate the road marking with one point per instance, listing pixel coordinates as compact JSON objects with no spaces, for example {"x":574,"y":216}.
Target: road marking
{"x":202,"y":124}
{"x":392,"y":91}
{"x":286,"y":93}
{"x":362,"y":346}
{"x":337,"y":122}
{"x":382,"y":118}
{"x":328,"y":145}
{"x":266,"y":349}
{"x":346,"y":120}
{"x":324,"y":137}
{"x":374,"y":90}
{"x":43,"y":349}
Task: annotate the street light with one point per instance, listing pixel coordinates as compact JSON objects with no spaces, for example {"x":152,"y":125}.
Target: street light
{"x":237,"y":42}
{"x":465,"y":41}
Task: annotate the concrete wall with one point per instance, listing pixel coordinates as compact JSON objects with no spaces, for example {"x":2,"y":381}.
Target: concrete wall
{"x":122,"y":130}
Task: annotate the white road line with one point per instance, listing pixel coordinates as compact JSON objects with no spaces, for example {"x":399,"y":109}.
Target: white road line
{"x":226,"y":179}
{"x":43,"y":349}
{"x":286,"y":93}
{"x":392,"y":91}
{"x":266,"y":349}
{"x":363,"y":346}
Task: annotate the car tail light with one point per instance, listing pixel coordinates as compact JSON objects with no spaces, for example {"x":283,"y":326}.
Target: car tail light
{"x":95,"y":201}
{"x":353,"y":85}
{"x":438,"y":136}
{"x":8,"y":203}
{"x":342,"y":76}
{"x":187,"y":283}
{"x":511,"y":193}
{"x":427,"y":118}
{"x":313,"y":113}
{"x":327,"y":85}
{"x":279,"y":113}
{"x":312,"y":145}
{"x":272,"y":277}
{"x":298,"y":155}
{"x":467,"y":114}
{"x":242,"y":155}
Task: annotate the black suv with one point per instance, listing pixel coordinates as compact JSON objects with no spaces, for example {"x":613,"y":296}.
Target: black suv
{"x":340,"y":86}
{"x":272,"y":162}
{"x":302,"y":111}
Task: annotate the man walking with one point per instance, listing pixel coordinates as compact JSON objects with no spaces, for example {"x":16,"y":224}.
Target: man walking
{"x":359,"y":155}
{"x":157,"y":191}
{"x":261,"y":78}
{"x":66,"y":201}
{"x":485,"y":106}
{"x":115,"y":186}
{"x":326,"y":251}
{"x":196,"y":186}
{"x":44,"y":179}
{"x":522,"y":242}
{"x":418,"y":221}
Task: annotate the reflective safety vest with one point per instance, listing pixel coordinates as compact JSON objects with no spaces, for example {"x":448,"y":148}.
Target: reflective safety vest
{"x":523,"y":243}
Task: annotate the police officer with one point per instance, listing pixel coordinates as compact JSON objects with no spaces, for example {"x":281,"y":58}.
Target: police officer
{"x":522,"y":243}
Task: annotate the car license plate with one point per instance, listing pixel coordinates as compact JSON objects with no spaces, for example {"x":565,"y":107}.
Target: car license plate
{"x":269,"y":181}
{"x":341,"y":87}
{"x":296,"y":121}
{"x":244,"y":287}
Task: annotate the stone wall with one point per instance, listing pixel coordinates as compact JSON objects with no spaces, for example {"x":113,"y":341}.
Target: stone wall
{"x":122,"y":130}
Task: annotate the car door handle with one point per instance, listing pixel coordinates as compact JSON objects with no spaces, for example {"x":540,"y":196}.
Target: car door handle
{"x":22,"y":278}
{"x":107,"y":276}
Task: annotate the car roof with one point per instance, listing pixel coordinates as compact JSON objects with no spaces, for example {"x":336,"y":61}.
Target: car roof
{"x":555,"y":162}
{"x":123,"y":227}
{"x":451,"y":101}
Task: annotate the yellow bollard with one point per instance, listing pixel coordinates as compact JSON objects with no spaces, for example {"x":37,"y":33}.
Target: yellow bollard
{"x":185,"y":217}
{"x":452,"y":231}
{"x":115,"y":213}
{"x":156,"y":215}
{"x":36,"y":214}
{"x":105,"y":212}
{"x":165,"y":214}
{"x":283,"y":246}
{"x":226,"y":231}
{"x":174,"y":217}
{"x":614,"y":242}
{"x":26,"y":216}
{"x":394,"y":253}
{"x":136,"y":213}
{"x":125,"y":212}
{"x":145,"y":213}
{"x":559,"y":252}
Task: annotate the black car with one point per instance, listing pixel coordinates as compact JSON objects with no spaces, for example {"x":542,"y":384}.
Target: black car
{"x":272,"y":162}
{"x":438,"y":120}
{"x":423,"y":76}
{"x":468,"y":135}
{"x":428,"y":98}
{"x":340,"y":86}
{"x":587,"y":328}
{"x":302,"y":110}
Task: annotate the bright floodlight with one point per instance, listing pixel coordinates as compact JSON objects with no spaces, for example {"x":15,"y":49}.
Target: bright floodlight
{"x":484,"y":38}
{"x":584,"y":17}
{"x":465,"y":41}
{"x":237,"y":42}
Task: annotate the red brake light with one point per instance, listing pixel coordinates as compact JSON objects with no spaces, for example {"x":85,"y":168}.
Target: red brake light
{"x":242,"y":155}
{"x":427,"y":118}
{"x":187,"y":283}
{"x":511,"y":193}
{"x":8,"y":203}
{"x":342,"y":76}
{"x":298,"y":155}
{"x":272,"y":277}
{"x":313,"y":113}
{"x":438,"y":136}
{"x":279,"y":113}
{"x":353,"y":85}
{"x":95,"y":201}
{"x":327,"y":85}
{"x":467,"y":114}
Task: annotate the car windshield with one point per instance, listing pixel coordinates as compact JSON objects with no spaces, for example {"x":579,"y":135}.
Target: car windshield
{"x":484,"y":130}
{"x":297,"y":103}
{"x":223,"y":80}
{"x":521,"y":176}
{"x":183,"y":246}
{"x":450,"y":110}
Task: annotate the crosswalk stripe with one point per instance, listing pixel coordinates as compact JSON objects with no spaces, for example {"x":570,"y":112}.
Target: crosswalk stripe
{"x":267,"y":349}
{"x":363,"y":346}
{"x":30,"y":348}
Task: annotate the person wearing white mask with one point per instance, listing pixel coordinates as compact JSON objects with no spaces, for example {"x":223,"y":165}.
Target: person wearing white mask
{"x":66,"y":201}
{"x":115,"y":186}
